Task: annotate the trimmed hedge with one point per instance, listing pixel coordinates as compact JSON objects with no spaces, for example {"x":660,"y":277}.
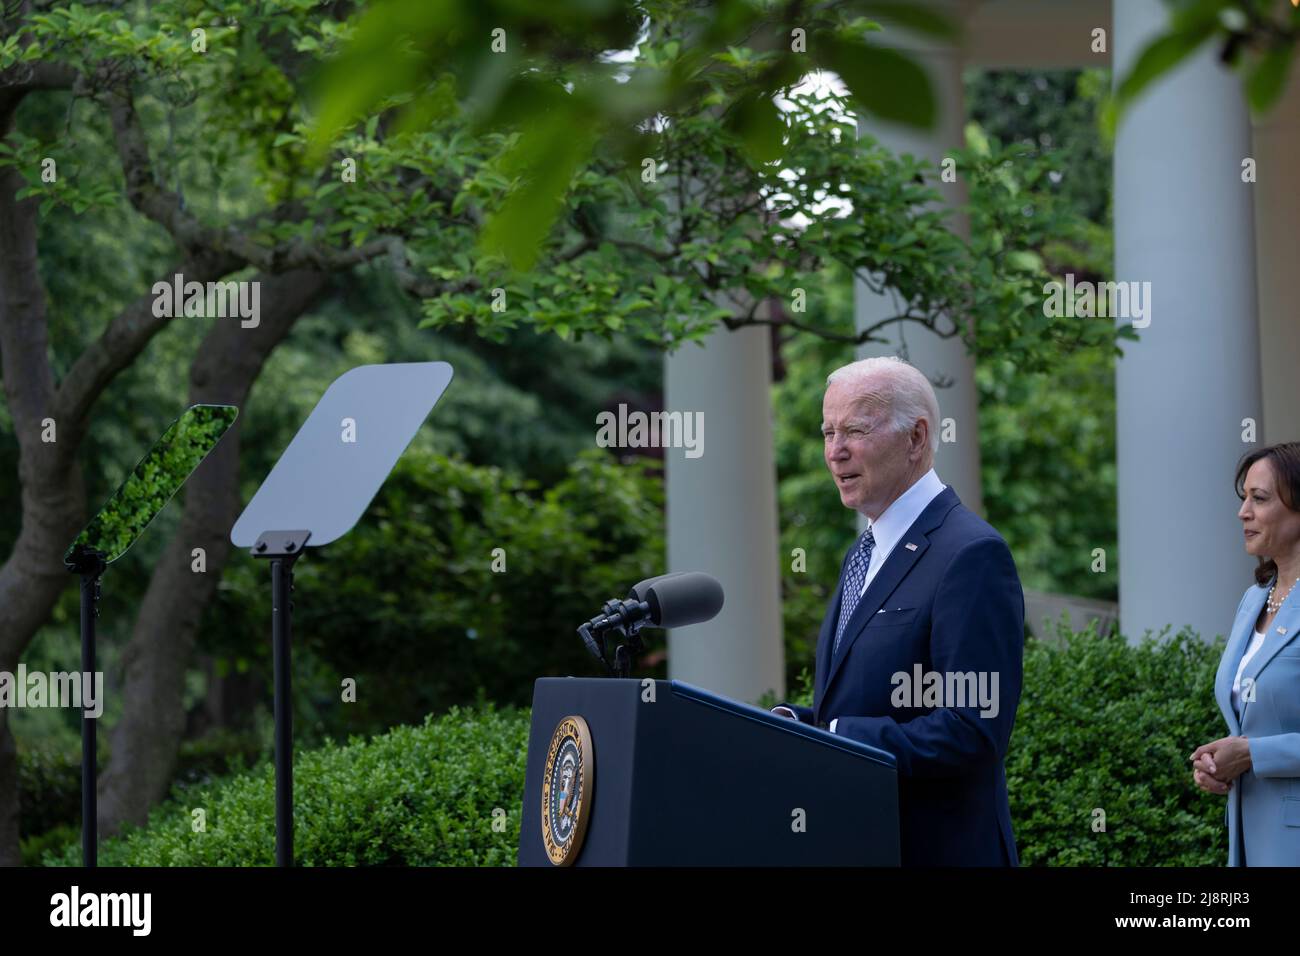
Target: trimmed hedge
{"x":49,"y":785}
{"x":1101,"y":725}
{"x":49,"y":788}
{"x":415,"y":796}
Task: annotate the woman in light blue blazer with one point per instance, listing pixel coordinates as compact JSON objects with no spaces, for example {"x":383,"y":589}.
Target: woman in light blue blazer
{"x":1258,"y":683}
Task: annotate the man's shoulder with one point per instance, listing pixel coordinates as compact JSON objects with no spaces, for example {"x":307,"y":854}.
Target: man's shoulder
{"x":967,"y":541}
{"x":962,"y":527}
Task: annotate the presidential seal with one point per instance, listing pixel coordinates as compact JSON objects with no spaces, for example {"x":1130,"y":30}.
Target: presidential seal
{"x":566,"y":790}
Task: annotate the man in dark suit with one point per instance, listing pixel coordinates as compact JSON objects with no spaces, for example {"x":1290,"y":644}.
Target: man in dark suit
{"x":920,"y":652}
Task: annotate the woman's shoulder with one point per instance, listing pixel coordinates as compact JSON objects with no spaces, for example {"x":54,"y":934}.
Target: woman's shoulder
{"x":1254,"y":589}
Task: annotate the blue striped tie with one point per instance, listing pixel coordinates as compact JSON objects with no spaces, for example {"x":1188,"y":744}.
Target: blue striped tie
{"x":854,"y":575}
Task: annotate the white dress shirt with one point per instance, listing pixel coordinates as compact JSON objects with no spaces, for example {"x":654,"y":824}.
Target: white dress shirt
{"x":1256,"y":643}
{"x":892,"y":525}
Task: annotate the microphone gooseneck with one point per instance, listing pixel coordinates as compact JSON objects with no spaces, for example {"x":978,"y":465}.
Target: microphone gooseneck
{"x":667,"y":600}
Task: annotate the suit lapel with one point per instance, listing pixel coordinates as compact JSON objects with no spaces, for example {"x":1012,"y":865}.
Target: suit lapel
{"x":821,"y":658}
{"x":1242,"y":629}
{"x":1280,"y":634}
{"x":900,"y":561}
{"x":823,"y":652}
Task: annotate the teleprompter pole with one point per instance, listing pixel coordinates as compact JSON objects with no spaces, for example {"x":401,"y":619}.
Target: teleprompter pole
{"x":283,"y":549}
{"x":90,"y":565}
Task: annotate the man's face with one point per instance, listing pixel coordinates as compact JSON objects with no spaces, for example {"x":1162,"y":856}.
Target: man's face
{"x":871,"y":462}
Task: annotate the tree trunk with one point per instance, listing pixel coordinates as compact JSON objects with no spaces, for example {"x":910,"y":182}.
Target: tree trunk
{"x":146,"y":738}
{"x":228,"y":704}
{"x":53,"y":495}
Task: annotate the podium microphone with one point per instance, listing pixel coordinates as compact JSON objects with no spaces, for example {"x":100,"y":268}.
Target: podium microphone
{"x":678,"y":600}
{"x":668,"y":600}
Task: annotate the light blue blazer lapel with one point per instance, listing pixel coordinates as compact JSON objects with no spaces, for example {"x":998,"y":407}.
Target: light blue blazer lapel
{"x":1280,"y":633}
{"x":1242,"y":629}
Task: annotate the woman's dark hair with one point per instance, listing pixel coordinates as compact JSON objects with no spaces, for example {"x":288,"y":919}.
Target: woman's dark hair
{"x":1285,"y":460}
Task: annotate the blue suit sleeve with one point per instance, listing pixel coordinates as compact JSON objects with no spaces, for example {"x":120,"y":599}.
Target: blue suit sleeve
{"x":977,"y":625}
{"x":1277,"y":755}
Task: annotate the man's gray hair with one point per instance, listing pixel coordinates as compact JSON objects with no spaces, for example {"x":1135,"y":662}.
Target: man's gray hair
{"x":905,"y":388}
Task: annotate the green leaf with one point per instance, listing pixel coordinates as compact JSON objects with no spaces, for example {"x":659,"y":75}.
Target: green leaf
{"x":1024,"y":259}
{"x":1159,"y":57}
{"x":1197,"y":15}
{"x":885,"y":81}
{"x":757,"y":121}
{"x":1268,"y":80}
{"x":553,"y":146}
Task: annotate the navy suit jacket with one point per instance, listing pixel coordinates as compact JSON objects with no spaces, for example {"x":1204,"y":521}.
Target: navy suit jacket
{"x":953,"y":605}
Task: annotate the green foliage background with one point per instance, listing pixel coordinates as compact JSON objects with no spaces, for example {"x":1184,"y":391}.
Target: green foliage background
{"x":407,"y":605}
{"x":1102,"y":725}
{"x":423,"y":795}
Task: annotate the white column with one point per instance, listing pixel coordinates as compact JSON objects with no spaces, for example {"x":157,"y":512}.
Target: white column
{"x":1277,"y":238}
{"x":957,"y":462}
{"x":1183,"y":222}
{"x":722,"y":514}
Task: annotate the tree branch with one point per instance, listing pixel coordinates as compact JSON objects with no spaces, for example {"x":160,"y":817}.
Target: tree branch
{"x":22,"y":78}
{"x":418,"y":284}
{"x":24,"y":334}
{"x":122,"y":342}
{"x":194,"y":237}
{"x":208,"y":254}
{"x":859,"y":338}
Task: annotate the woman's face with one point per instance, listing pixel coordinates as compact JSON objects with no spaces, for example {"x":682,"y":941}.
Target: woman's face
{"x":1272,"y":530}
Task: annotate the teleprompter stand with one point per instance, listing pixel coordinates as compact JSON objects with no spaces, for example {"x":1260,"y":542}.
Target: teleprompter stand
{"x":110,"y":533}
{"x":282,"y":549}
{"x":322,"y":484}
{"x":89,"y":564}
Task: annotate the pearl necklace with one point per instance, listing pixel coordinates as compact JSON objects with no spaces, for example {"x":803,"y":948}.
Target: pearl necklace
{"x":1268,"y":601}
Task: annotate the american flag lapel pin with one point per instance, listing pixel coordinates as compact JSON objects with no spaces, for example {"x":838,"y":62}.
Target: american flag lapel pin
{"x":1281,"y":630}
{"x":909,"y":546}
